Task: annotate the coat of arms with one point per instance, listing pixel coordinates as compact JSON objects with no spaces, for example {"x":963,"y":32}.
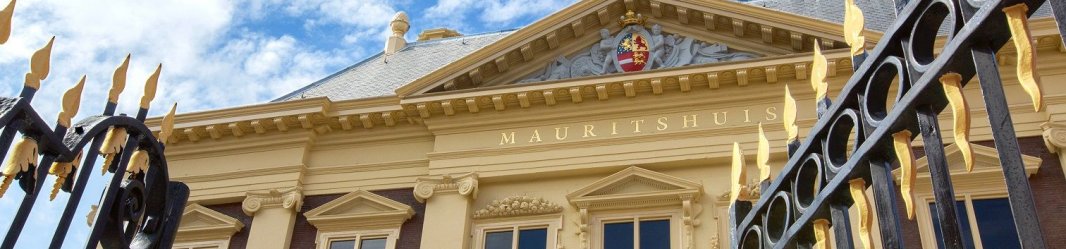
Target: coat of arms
{"x":632,"y":53}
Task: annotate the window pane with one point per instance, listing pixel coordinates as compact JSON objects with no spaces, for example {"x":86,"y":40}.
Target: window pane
{"x":960,"y":211}
{"x":996,"y":224}
{"x":618,"y":235}
{"x":498,"y":240}
{"x":342,"y":244}
{"x":655,"y":234}
{"x":533,"y":239}
{"x":372,"y":244}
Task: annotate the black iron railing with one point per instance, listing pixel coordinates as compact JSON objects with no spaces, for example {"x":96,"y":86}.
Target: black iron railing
{"x":824,"y":176}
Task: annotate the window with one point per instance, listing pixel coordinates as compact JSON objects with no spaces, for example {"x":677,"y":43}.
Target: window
{"x":995,"y":225}
{"x":534,"y":238}
{"x":648,"y":234}
{"x":364,"y":243}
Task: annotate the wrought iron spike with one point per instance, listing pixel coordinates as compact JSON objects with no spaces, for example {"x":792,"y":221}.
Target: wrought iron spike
{"x":763,"y":156}
{"x":901,"y":142}
{"x":853,"y":26}
{"x":118,"y":81}
{"x":113,"y":144}
{"x":862,"y":204}
{"x":5,"y":21}
{"x":150,"y":86}
{"x":71,"y":103}
{"x":166,"y":127}
{"x":960,"y":112}
{"x":1023,"y":44}
{"x":24,"y":155}
{"x":789,"y":116}
{"x":41,"y":60}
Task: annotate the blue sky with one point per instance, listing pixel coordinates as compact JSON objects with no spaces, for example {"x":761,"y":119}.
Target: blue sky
{"x":215,"y":54}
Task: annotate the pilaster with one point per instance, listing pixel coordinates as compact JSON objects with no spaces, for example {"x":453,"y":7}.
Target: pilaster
{"x":1055,"y":140}
{"x":274,"y":213}
{"x":448,"y":207}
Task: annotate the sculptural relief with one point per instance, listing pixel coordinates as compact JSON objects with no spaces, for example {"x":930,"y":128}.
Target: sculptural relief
{"x":638,"y":49}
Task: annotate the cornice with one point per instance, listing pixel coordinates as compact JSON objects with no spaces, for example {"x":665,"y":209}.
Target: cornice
{"x":286,"y":198}
{"x":464,"y":185}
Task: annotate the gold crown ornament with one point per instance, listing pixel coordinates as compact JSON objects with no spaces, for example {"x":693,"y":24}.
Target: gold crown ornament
{"x":631,"y":19}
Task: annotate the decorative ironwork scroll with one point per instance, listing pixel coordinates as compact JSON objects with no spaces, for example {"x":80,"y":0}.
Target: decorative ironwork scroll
{"x":140,"y":206}
{"x":858,"y":137}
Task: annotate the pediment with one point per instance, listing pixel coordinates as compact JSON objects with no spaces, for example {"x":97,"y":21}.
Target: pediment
{"x":986,"y":160}
{"x":574,"y":30}
{"x":635,"y":184}
{"x":200,"y":223}
{"x":360,"y":208}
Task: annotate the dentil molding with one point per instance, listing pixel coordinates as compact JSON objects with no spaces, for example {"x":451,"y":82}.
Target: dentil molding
{"x":287,"y":198}
{"x":465,"y":185}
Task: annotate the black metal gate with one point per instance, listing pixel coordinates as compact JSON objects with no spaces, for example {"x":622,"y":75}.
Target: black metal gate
{"x":140,"y":207}
{"x":824,"y":177}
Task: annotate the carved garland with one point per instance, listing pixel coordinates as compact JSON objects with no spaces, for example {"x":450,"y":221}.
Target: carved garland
{"x":517,"y":206}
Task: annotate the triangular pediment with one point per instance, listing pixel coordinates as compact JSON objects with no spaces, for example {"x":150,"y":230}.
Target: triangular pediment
{"x":635,"y":183}
{"x":739,"y":29}
{"x":199,"y":222}
{"x":360,"y":208}
{"x":986,"y":160}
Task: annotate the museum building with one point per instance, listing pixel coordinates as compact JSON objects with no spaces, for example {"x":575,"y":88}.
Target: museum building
{"x":608,"y":124}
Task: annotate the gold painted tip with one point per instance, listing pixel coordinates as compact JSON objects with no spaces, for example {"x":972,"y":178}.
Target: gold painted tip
{"x":150,"y":87}
{"x":71,"y":103}
{"x":789,"y":116}
{"x":763,"y":155}
{"x":738,"y":190}
{"x":854,"y":23}
{"x":41,"y":59}
{"x":167,"y":127}
{"x":819,"y":71}
{"x":5,"y":21}
{"x":118,"y":80}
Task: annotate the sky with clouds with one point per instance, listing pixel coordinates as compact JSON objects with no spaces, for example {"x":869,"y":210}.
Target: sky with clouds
{"x":215,"y":54}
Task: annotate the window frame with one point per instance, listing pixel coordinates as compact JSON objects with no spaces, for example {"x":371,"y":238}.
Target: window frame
{"x":599,"y":219}
{"x":553,"y":223}
{"x":219,"y":244}
{"x":925,"y":216}
{"x":390,"y":236}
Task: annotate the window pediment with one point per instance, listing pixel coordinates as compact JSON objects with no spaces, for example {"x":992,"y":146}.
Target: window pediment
{"x":359,"y":209}
{"x":636,"y":187}
{"x":199,"y":223}
{"x":986,"y":160}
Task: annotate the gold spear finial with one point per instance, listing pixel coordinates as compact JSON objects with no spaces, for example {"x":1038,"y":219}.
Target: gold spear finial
{"x":853,"y":26}
{"x":763,"y":156}
{"x":1023,"y":44}
{"x":821,"y":234}
{"x":739,"y":188}
{"x":61,"y":171}
{"x":23,"y":155}
{"x":71,"y":103}
{"x":166,"y":128}
{"x":41,"y":59}
{"x":5,"y":21}
{"x":789,"y":116}
{"x":862,"y":204}
{"x":149,"y":87}
{"x":960,"y":111}
{"x":901,"y":142}
{"x":819,"y":69}
{"x":118,"y":81}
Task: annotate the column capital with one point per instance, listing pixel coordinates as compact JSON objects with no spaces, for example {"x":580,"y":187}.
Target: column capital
{"x":464,"y":184}
{"x":286,"y":198}
{"x":1054,"y":136}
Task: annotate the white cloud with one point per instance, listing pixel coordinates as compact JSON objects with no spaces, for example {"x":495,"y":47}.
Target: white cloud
{"x":452,"y":13}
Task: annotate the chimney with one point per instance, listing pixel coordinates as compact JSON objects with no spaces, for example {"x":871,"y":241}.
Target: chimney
{"x":399,"y":26}
{"x":437,"y":33}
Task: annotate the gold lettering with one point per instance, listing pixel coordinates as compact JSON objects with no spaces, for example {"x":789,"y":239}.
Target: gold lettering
{"x":771,"y":113}
{"x":636,"y":125}
{"x":536,"y":137}
{"x":725,"y":118}
{"x":566,"y":132}
{"x":614,"y":128}
{"x":588,"y":131}
{"x":746,"y":117}
{"x":506,"y":138}
{"x":662,"y":123}
{"x":685,"y":121}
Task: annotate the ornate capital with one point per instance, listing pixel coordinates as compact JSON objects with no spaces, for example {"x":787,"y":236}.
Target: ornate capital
{"x":465,"y":185}
{"x":1054,"y":136}
{"x":518,"y":206}
{"x":287,"y":198}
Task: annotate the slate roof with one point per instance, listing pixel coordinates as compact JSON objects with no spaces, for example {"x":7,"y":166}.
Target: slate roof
{"x":381,"y":75}
{"x":879,"y":14}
